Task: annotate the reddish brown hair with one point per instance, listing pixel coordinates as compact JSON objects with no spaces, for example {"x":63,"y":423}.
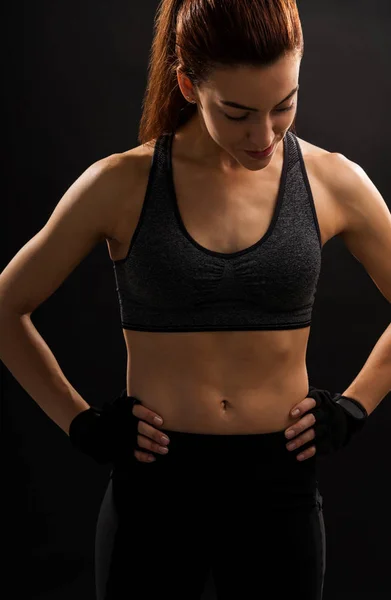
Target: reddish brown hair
{"x":199,"y":36}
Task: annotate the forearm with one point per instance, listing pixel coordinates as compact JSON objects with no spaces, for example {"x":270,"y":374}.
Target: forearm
{"x":27,"y":356}
{"x":373,"y":382}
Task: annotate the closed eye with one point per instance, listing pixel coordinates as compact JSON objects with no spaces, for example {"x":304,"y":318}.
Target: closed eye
{"x":280,"y":110}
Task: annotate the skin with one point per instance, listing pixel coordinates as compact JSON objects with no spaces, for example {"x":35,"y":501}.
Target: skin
{"x":220,"y":143}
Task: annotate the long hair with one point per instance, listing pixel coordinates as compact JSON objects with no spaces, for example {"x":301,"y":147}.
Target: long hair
{"x":199,"y":36}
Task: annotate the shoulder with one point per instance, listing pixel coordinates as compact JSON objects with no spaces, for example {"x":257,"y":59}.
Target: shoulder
{"x":350,"y":188}
{"x":338,"y":176}
{"x":337,"y":171}
{"x":139,"y":154}
{"x":314,"y":156}
{"x":122,"y":174}
{"x":135,"y":163}
{"x":320,"y":164}
{"x":123,"y":166}
{"x":359,"y":203}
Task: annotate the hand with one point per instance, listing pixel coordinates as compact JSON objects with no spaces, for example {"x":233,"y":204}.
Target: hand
{"x":333,"y":425}
{"x":150,"y":438}
{"x":109,"y":434}
{"x":302,"y":425}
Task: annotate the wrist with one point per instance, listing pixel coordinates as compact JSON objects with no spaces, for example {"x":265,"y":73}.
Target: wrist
{"x":352,"y":407}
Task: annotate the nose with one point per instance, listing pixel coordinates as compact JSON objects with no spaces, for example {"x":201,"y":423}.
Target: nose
{"x":258,"y":144}
{"x":261,"y":136}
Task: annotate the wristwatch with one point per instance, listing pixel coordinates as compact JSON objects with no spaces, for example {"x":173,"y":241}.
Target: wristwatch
{"x":352,"y":407}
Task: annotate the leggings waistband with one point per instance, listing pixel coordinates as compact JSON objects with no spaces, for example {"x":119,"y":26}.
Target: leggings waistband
{"x":236,"y":452}
{"x":189,"y":441}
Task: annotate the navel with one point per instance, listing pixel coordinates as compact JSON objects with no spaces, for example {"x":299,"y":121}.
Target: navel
{"x":224,"y":405}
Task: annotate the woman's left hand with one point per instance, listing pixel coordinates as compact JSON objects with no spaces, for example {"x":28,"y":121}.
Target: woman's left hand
{"x":323,"y":415}
{"x":303,"y":430}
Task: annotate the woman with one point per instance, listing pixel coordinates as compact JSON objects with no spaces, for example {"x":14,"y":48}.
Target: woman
{"x":216,"y":260}
{"x":215,"y":229}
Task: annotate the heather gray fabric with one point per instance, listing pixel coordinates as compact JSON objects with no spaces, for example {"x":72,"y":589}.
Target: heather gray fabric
{"x":168,"y":282}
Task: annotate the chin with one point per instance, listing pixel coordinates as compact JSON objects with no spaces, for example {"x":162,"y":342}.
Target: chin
{"x":256,"y":165}
{"x":254,"y":168}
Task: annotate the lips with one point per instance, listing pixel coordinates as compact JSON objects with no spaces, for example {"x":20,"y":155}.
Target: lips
{"x":261,"y":151}
{"x":260,"y":155}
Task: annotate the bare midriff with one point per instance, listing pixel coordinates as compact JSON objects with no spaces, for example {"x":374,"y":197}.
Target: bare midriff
{"x":231,"y":382}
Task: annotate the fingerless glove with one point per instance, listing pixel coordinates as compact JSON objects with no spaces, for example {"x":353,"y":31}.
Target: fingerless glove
{"x":334,"y":427}
{"x":107,"y":434}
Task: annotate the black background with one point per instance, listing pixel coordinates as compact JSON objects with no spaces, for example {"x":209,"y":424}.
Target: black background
{"x":74,"y":75}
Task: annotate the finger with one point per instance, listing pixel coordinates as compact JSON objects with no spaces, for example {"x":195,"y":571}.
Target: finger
{"x":141,"y":412}
{"x":305,"y":437}
{"x":153,"y":434}
{"x":306,"y":454}
{"x":301,"y":425}
{"x":307,"y":421}
{"x":304,"y":406}
{"x":145,"y":442}
{"x":143,"y":456}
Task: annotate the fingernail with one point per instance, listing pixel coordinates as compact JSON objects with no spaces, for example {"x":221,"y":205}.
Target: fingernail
{"x":295,"y":412}
{"x":165,"y":439}
{"x":151,"y":458}
{"x":290,"y":433}
{"x":158,"y":420}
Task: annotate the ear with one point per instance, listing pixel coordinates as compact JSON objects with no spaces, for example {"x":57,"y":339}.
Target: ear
{"x":185,"y":84}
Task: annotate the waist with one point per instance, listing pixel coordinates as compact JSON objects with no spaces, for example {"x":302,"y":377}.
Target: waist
{"x":188,"y":405}
{"x":193,"y":409}
{"x":219,"y":383}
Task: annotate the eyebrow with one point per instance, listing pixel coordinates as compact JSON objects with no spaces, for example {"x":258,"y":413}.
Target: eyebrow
{"x":236,"y":105}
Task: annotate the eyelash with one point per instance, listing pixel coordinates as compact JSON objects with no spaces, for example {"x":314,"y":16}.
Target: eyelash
{"x":245,"y":117}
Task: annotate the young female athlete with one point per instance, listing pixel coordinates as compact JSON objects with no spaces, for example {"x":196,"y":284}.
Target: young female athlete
{"x":215,"y":225}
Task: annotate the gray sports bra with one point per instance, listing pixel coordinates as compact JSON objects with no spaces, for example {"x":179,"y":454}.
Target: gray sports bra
{"x":169,"y":282}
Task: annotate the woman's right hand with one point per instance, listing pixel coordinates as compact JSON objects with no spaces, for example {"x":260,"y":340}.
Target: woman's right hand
{"x":149,"y":436}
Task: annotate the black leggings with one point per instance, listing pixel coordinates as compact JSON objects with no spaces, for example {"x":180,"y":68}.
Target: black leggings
{"x":239,"y":506}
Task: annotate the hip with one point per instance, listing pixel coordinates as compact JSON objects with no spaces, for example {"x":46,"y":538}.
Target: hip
{"x":214,"y":470}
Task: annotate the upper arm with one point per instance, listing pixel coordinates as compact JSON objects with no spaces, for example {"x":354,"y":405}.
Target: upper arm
{"x":367,"y":221}
{"x":80,"y":220}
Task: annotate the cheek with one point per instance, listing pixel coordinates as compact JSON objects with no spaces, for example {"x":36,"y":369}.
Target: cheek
{"x":214,"y":122}
{"x":228,"y":139}
{"x":219,"y":131}
{"x":229,"y":135}
{"x":233,"y":132}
